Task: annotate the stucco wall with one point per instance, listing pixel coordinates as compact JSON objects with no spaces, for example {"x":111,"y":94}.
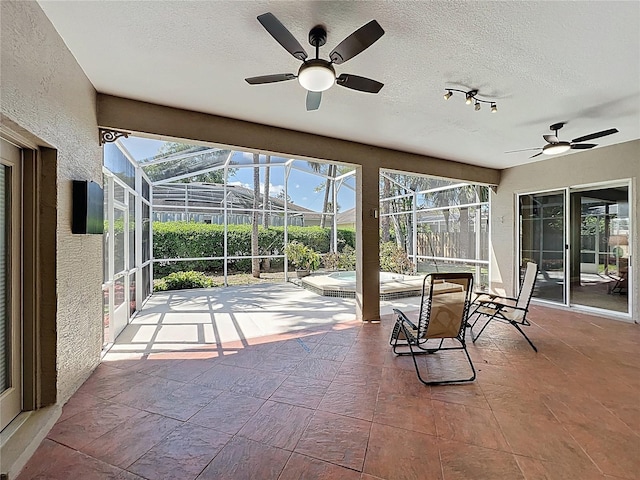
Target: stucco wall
{"x":590,"y":167}
{"x":45,"y":92}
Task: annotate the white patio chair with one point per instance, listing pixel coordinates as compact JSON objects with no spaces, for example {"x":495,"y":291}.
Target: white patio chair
{"x":506,"y":309}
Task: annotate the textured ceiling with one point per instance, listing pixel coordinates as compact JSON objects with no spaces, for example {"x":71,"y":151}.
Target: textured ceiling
{"x":542,"y":62}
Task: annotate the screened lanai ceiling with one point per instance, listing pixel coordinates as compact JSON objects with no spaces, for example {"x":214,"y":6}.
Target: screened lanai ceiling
{"x":542,"y":62}
{"x":192,"y":160}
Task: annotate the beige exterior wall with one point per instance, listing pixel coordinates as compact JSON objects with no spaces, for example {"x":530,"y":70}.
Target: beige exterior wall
{"x":46,"y":95}
{"x":618,"y":162}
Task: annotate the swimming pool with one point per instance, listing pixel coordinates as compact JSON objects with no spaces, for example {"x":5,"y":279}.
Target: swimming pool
{"x":350,"y":276}
{"x":343,"y":284}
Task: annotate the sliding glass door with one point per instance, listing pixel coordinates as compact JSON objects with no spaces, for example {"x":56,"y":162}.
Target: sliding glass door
{"x":600,"y":230}
{"x":580,"y":239}
{"x":542,"y":241}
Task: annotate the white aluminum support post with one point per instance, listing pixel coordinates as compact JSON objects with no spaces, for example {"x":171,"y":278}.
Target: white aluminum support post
{"x":225,"y":223}
{"x":414,"y":236}
{"x":151,"y":262}
{"x":112,"y":250}
{"x":287,"y":171}
{"x":478,"y":234}
{"x":335,"y":218}
{"x":138,"y":237}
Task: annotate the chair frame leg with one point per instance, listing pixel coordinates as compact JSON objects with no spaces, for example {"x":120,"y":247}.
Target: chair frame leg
{"x":474,"y":338}
{"x":502,"y":319}
{"x":412,"y":344}
{"x":515,"y":324}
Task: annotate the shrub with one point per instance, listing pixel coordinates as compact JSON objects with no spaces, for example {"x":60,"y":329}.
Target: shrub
{"x":394,"y":259}
{"x":302,"y":256}
{"x":183,"y":280}
{"x":347,"y":258}
{"x":331,"y":260}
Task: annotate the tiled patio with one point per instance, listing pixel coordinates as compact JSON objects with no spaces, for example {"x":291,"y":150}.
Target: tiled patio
{"x":273,"y":382}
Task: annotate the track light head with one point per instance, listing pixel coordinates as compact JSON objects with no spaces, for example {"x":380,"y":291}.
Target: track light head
{"x":469,"y":99}
{"x":494,"y":109}
{"x":477,"y":106}
{"x":447,"y":95}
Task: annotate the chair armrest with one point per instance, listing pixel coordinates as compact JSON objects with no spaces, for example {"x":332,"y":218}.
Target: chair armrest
{"x":499,"y":302}
{"x":403,"y":318}
{"x":495,"y":296}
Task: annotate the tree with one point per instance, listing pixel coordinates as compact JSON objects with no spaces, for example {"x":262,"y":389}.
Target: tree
{"x":255,"y":262}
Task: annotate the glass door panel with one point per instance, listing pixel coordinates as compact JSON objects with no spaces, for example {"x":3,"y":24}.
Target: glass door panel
{"x":600,"y":259}
{"x":542,"y":241}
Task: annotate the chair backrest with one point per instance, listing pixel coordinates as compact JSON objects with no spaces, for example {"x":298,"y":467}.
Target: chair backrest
{"x":526,"y":289}
{"x":446,"y":298}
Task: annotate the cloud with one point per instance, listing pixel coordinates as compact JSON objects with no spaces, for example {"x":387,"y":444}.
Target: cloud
{"x":274,"y":190}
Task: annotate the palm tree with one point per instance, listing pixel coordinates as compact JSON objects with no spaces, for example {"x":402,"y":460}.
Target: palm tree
{"x":321,"y":168}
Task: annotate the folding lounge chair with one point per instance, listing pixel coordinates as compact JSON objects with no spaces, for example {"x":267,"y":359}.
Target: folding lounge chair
{"x":446,"y":299}
{"x":621,"y":282}
{"x":506,"y":309}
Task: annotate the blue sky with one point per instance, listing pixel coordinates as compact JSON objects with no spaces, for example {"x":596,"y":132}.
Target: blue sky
{"x":301,"y":187}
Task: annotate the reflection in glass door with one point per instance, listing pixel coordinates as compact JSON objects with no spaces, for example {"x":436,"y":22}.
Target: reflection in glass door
{"x":542,"y":241}
{"x":600,"y":231}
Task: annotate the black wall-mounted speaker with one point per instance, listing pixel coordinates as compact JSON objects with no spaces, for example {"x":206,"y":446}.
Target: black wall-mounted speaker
{"x":88,"y":208}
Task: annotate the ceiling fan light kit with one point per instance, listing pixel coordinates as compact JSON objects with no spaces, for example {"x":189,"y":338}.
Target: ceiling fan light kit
{"x":471,"y":99}
{"x":556,"y":148}
{"x":318,"y":75}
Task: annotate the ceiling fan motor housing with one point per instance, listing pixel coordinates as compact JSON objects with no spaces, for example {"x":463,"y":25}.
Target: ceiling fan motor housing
{"x":318,"y":36}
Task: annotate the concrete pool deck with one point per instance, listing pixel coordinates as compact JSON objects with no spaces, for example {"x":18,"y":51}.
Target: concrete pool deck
{"x":328,"y":286}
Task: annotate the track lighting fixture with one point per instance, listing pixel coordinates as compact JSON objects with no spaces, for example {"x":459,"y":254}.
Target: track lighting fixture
{"x":471,"y":98}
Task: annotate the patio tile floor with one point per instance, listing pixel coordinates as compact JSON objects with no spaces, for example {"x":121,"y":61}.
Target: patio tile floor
{"x":318,"y":395}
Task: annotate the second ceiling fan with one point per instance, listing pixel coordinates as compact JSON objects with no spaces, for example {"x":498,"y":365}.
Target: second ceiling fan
{"x":317,"y":75}
{"x":555,"y":146}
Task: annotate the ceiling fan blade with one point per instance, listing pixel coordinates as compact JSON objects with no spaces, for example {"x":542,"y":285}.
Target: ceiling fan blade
{"x":357,"y":42}
{"x":313,"y":100}
{"x":282,"y":35}
{"x":592,"y":136}
{"x":361,"y":84}
{"x":523,"y":150}
{"x":583,"y":146}
{"x":536,"y":155}
{"x":277,"y":77}
{"x":550,"y":138}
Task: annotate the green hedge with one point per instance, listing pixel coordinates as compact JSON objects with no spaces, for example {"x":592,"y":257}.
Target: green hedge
{"x":190,"y":240}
